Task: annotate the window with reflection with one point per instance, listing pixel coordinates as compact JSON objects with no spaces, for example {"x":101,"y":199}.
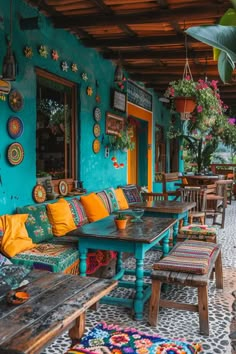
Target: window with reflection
{"x":160,"y":156}
{"x":55,"y":132}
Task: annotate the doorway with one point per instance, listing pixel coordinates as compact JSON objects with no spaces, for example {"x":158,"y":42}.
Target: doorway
{"x":140,"y":159}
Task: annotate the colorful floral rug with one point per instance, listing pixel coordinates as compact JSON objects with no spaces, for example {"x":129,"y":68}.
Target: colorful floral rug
{"x":107,"y":339}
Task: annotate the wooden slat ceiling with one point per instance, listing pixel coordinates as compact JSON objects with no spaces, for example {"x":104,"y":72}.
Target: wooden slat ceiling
{"x":146,"y":35}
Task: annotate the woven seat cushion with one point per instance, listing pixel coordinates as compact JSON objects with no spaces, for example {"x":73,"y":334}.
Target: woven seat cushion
{"x":131,"y":193}
{"x":195,"y":229}
{"x":188,"y":257}
{"x":48,"y":256}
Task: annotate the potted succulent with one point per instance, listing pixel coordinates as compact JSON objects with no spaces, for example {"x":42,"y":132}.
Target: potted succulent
{"x":121,"y":221}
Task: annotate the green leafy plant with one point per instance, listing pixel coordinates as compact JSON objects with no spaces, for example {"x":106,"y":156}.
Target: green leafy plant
{"x":120,"y":216}
{"x":122,"y":142}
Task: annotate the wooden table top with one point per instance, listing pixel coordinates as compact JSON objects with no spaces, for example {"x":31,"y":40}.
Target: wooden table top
{"x":145,"y":232}
{"x":56,"y":301}
{"x":165,"y":206}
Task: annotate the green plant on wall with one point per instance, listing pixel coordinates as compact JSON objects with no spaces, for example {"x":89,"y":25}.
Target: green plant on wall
{"x":122,"y":142}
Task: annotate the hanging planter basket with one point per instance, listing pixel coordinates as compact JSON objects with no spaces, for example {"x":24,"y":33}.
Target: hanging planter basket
{"x":185,"y":104}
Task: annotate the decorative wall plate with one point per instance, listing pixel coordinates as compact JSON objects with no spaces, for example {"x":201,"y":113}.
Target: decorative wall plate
{"x":15,"y":100}
{"x":96,"y":130}
{"x":39,"y":193}
{"x":15,"y":127}
{"x":15,"y":153}
{"x":63,"y":188}
{"x":96,"y":146}
{"x":97,"y":114}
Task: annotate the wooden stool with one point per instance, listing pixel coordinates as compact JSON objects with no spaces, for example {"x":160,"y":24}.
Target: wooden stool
{"x":197,"y":232}
{"x":179,"y":275}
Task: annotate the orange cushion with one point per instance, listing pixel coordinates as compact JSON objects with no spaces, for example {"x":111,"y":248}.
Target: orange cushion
{"x":94,"y":207}
{"x":122,"y":201}
{"x":15,"y":237}
{"x":60,"y":217}
{"x":185,"y":181}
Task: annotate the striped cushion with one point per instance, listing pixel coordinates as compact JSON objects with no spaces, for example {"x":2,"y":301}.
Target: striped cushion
{"x":131,"y":193}
{"x":108,"y":197}
{"x":78,"y":212}
{"x":189,"y":257}
{"x":195,"y":229}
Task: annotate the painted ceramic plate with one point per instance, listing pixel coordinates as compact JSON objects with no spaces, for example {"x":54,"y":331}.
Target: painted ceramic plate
{"x":63,"y":188}
{"x":15,"y":153}
{"x":39,"y":193}
{"x":96,"y":130}
{"x":97,"y":114}
{"x":15,"y":127}
{"x":96,"y":146}
{"x":15,"y":100}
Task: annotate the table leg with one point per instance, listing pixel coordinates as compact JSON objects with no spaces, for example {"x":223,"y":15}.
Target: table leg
{"x":175,"y":232}
{"x":77,"y":331}
{"x":165,"y":243}
{"x":82,"y":261}
{"x":138,"y":300}
{"x":185,"y":219}
{"x":119,"y":262}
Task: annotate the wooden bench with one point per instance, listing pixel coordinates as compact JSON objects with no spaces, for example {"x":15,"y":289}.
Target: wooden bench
{"x":186,"y":279}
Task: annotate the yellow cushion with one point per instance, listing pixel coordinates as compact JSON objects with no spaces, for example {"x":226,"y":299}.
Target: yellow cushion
{"x":94,"y":207}
{"x":185,"y":181}
{"x":60,"y":217}
{"x":15,"y":238}
{"x":123,"y":204}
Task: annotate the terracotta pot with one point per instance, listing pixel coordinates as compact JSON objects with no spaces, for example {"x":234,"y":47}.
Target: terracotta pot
{"x":185,"y":104}
{"x":121,"y":224}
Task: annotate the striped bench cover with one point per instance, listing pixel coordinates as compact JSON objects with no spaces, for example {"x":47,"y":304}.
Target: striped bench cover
{"x":188,"y":256}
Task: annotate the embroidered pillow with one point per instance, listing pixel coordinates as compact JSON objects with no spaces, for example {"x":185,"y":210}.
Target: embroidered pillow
{"x":132,"y":194}
{"x":122,"y":201}
{"x":60,"y":217}
{"x":108,"y":198}
{"x":94,"y":207}
{"x":78,"y":212}
{"x":37,"y":224}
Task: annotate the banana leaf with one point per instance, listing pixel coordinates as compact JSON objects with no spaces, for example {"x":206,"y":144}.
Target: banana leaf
{"x":223,"y":38}
{"x":228,"y":19}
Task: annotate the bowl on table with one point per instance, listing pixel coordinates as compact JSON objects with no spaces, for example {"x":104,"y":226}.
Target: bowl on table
{"x":137,"y":213}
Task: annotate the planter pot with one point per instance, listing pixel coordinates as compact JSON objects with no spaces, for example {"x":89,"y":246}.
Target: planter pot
{"x":184,"y":104}
{"x":121,"y":224}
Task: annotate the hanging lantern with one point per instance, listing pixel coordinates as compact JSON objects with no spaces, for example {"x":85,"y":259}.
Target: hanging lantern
{"x":118,"y":77}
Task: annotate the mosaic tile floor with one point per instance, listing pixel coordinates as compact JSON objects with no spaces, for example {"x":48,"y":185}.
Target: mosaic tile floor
{"x":177,"y":323}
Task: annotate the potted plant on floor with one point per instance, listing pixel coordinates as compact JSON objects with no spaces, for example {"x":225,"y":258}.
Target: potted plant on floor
{"x":121,"y":221}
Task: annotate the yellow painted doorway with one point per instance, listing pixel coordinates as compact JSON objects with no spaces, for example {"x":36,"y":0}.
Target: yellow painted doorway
{"x":133,"y":156}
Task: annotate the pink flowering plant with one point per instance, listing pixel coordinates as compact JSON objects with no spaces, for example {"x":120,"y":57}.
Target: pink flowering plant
{"x":209,"y":105}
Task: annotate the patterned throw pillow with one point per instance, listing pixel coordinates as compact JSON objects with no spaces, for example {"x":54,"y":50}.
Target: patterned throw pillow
{"x":37,"y":224}
{"x":78,"y":212}
{"x":109,"y":200}
{"x":4,"y":260}
{"x":131,"y":193}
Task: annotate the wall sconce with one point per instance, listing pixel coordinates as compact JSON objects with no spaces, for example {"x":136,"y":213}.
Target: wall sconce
{"x":9,"y":63}
{"x":118,"y":76}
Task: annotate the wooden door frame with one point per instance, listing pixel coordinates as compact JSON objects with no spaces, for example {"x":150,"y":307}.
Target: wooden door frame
{"x":142,"y":114}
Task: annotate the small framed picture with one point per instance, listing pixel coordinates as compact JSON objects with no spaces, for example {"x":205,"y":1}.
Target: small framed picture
{"x":114,"y":124}
{"x":118,"y":101}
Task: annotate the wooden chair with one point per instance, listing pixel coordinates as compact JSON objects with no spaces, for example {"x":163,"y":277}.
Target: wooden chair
{"x":151,"y":196}
{"x":216,"y":202}
{"x":197,"y":195}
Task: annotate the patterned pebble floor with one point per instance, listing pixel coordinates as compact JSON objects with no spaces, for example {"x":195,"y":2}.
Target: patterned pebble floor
{"x":178,"y":323}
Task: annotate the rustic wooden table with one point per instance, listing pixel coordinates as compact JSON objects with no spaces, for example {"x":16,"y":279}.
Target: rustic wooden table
{"x":167,"y":209}
{"x":58,"y":302}
{"x":136,"y":239}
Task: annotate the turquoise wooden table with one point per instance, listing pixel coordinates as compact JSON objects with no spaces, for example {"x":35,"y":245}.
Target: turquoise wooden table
{"x":136,"y":239}
{"x":167,"y":209}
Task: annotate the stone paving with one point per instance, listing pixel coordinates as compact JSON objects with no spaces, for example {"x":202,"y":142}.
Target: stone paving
{"x":178,"y":323}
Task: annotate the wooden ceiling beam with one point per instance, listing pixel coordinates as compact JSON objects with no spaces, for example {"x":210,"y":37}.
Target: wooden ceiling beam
{"x":162,"y":15}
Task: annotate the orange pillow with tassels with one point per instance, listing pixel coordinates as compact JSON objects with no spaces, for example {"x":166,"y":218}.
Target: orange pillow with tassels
{"x":94,"y":207}
{"x":122,"y":201}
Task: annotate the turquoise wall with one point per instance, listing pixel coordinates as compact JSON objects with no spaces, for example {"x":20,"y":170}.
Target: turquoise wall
{"x":96,"y":171}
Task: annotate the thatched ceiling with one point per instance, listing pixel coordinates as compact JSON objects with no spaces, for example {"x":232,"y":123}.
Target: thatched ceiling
{"x":148,"y":36}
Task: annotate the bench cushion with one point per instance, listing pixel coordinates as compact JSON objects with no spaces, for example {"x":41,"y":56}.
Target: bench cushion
{"x":189,"y":256}
{"x":60,"y":217}
{"x":48,"y":256}
{"x":194,"y":229}
{"x":78,"y":212}
{"x":108,"y":197}
{"x":94,"y":207}
{"x":37,"y":224}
